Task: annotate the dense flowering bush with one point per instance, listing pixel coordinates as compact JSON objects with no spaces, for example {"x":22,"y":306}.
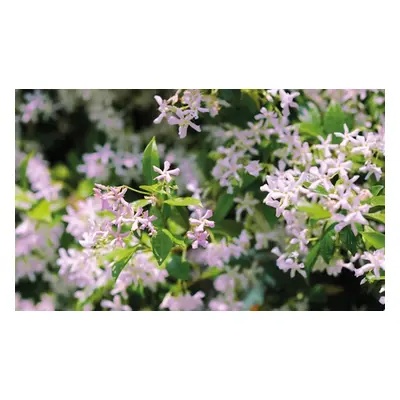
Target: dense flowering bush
{"x":220,"y":200}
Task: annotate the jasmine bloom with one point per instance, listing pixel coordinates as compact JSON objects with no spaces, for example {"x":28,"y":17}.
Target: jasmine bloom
{"x":166,"y":173}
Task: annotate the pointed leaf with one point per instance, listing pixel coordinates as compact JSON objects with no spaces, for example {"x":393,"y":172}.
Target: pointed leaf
{"x":179,"y":242}
{"x":375,"y":190}
{"x":178,"y":269}
{"x":348,"y":239}
{"x":140,"y":203}
{"x":378,"y":217}
{"x":150,"y":159}
{"x":315,"y":211}
{"x":184,"y":202}
{"x":41,"y":212}
{"x":374,"y":239}
{"x":377,"y":201}
{"x":224,"y":205}
{"x":124,"y":257}
{"x":23,"y":167}
{"x":311,"y":258}
{"x":161,"y":244}
{"x":327,"y":246}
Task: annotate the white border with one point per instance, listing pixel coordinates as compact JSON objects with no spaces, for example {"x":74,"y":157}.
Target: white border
{"x":299,"y":44}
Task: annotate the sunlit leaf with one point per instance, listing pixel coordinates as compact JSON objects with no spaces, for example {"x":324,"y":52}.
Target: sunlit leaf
{"x":150,"y":159}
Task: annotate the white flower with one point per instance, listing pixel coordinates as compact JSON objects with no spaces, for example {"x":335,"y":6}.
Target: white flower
{"x":253,"y":168}
{"x":346,"y":136}
{"x":183,"y":302}
{"x":202,"y":221}
{"x":339,"y":165}
{"x":337,"y":268}
{"x":166,"y":173}
{"x":245,"y":204}
{"x":376,"y":262}
{"x":287,"y":101}
{"x":326,"y":145}
{"x":115,"y":305}
{"x":371,"y":169}
{"x":302,"y":240}
{"x":163,"y":109}
{"x":184,"y":121}
{"x":354,"y":215}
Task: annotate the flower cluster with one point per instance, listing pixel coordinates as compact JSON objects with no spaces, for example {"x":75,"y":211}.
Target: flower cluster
{"x":198,"y":233}
{"x":323,"y":180}
{"x":112,"y":199}
{"x":184,"y":115}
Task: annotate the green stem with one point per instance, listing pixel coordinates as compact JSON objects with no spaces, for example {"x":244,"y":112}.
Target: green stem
{"x":135,"y":190}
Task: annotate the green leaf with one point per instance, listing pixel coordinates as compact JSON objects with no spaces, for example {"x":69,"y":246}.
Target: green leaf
{"x":161,"y":244}
{"x":368,"y":229}
{"x":334,"y":120}
{"x":378,"y":217}
{"x":85,"y":188}
{"x":211,"y":273}
{"x":150,"y":189}
{"x":120,"y":265}
{"x":178,"y":269}
{"x":377,"y":201}
{"x":122,"y":257}
{"x":184,"y":202}
{"x":348,"y":239}
{"x":178,"y":221}
{"x":315,"y":211}
{"x":375,"y":190}
{"x":158,"y":222}
{"x":319,"y":189}
{"x":228,"y":227}
{"x":179,"y":242}
{"x":268,"y":213}
{"x":150,"y":159}
{"x":247,"y":180}
{"x":310,"y":129}
{"x":119,"y":253}
{"x":23,"y":167}
{"x":311,"y":258}
{"x":41,"y":212}
{"x":327,"y":246}
{"x":224,"y":205}
{"x":140,"y":203}
{"x":374,"y":239}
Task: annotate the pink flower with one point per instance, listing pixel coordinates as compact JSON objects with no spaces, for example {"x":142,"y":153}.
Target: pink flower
{"x":199,"y":239}
{"x":354,"y":215}
{"x":183,"y":302}
{"x":346,"y":136}
{"x":184,"y":121}
{"x":146,"y":222}
{"x":253,"y":168}
{"x":163,"y":109}
{"x":115,"y":305}
{"x":326,"y":145}
{"x":371,"y":169}
{"x":166,"y":173}
{"x":104,"y":153}
{"x":339,"y":165}
{"x":202,"y":221}
{"x":376,"y":261}
{"x":287,"y":101}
